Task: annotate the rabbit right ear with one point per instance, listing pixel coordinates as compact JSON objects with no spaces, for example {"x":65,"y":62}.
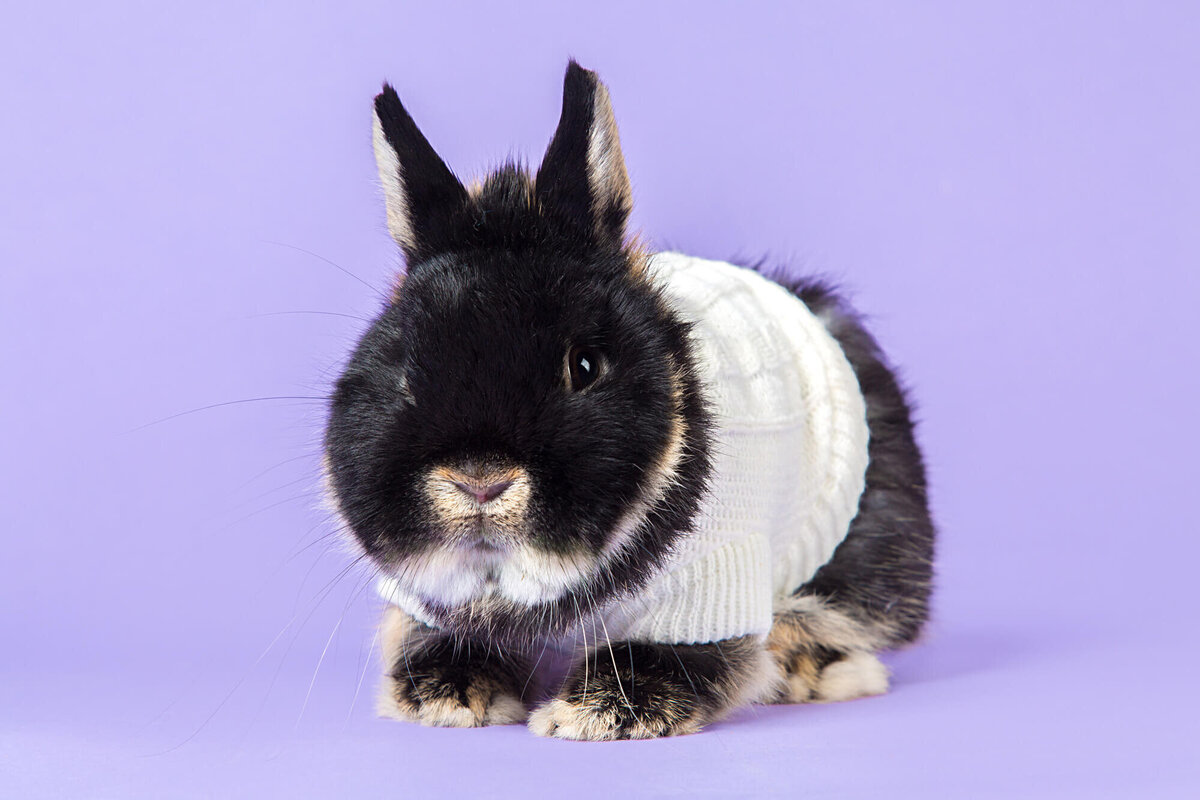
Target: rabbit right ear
{"x":423,"y":196}
{"x":582,"y":178}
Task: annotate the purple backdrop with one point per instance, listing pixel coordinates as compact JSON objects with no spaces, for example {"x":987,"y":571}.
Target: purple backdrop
{"x":1011,"y":189}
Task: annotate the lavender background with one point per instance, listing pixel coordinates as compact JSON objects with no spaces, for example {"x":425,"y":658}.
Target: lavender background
{"x":1012,"y":189}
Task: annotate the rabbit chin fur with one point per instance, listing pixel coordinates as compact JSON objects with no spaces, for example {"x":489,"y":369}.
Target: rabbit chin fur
{"x":510,"y":495}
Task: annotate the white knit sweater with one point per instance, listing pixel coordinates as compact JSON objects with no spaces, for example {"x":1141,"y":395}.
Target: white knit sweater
{"x":790,"y":457}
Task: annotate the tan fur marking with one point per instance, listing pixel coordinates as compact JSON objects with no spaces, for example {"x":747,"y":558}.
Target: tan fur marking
{"x":805,"y":630}
{"x":605,"y":165}
{"x":856,"y":675}
{"x":395,"y":629}
{"x":661,"y":474}
{"x":454,"y":506}
{"x":395,"y":198}
{"x":812,"y":621}
{"x":802,"y":672}
{"x":637,"y":254}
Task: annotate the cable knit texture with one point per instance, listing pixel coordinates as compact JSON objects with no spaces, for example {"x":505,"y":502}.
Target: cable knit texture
{"x":790,"y":456}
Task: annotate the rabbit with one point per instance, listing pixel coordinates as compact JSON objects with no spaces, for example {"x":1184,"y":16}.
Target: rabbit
{"x":693,"y":483}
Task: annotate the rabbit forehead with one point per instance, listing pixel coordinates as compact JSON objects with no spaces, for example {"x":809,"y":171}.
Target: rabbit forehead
{"x":517,"y":278}
{"x":504,"y":307}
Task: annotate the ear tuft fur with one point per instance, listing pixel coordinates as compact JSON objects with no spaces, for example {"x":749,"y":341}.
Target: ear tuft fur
{"x":582,"y":179}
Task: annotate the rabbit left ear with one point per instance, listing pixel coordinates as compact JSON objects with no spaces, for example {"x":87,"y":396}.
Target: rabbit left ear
{"x":423,"y":197}
{"x":582,"y":178}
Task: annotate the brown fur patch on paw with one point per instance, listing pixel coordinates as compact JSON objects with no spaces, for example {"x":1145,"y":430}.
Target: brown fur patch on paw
{"x":824,"y":654}
{"x":438,"y":702}
{"x":806,"y":621}
{"x":801,"y":670}
{"x":435,"y":681}
{"x":827,"y":677}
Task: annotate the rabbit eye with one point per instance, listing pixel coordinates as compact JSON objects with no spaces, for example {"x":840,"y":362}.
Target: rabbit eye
{"x":583,"y":367}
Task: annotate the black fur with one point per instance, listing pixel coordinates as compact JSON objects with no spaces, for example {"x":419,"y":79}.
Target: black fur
{"x":437,"y":201}
{"x":559,"y":188}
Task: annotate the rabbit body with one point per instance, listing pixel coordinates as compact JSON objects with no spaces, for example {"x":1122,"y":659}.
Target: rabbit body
{"x":697,"y":483}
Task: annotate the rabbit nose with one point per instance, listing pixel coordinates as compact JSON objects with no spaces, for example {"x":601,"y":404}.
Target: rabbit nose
{"x":481,"y":492}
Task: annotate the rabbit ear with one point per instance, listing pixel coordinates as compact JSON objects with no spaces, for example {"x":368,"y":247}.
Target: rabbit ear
{"x":582,"y":178}
{"x":423,"y":196}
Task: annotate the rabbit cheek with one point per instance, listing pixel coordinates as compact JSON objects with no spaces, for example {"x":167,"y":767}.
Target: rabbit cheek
{"x":661,"y":475}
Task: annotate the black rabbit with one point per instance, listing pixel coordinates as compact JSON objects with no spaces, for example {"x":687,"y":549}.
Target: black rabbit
{"x":700,"y":485}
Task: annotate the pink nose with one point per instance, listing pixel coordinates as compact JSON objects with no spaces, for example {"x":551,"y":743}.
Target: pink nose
{"x":480,"y":492}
